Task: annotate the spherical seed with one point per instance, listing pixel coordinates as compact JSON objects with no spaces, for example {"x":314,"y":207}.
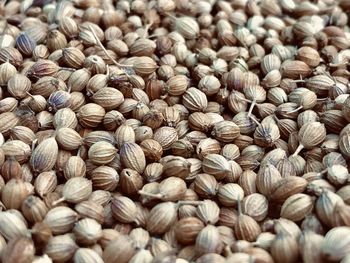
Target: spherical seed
{"x":77,"y":189}
{"x":125,"y":132}
{"x":101,"y":152}
{"x":133,"y":157}
{"x":44,"y":155}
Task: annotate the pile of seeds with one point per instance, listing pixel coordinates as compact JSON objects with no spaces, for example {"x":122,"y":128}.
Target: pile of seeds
{"x":156,"y":131}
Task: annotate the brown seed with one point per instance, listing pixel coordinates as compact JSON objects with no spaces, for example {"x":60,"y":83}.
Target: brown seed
{"x":267,"y":178}
{"x":205,"y":185}
{"x":95,"y":136}
{"x":74,"y":167}
{"x":61,"y":248}
{"x":153,"y":172}
{"x":144,"y":65}
{"x":187,"y":27}
{"x":284,"y":249}
{"x":177,"y":85}
{"x":152,"y":149}
{"x":91,"y":115}
{"x":101,"y":152}
{"x":12,"y":225}
{"x":266,"y":134}
{"x":75,"y":190}
{"x":22,"y":133}
{"x":8,"y":120}
{"x":310,"y":135}
{"x":44,"y":155}
{"x":45,"y":183}
{"x":43,"y":68}
{"x":208,"y":241}
{"x":12,"y":55}
{"x":11,"y":169}
{"x":133,"y":157}
{"x":90,"y":209}
{"x":104,"y":178}
{"x":87,"y":255}
{"x":215,"y":165}
{"x":113,"y":119}
{"x":20,"y":249}
{"x":87,"y":231}
{"x":130,"y":181}
{"x":7,"y":71}
{"x":256,"y":206}
{"x":336,"y":243}
{"x":18,"y":86}
{"x":121,"y":249}
{"x":229,"y":194}
{"x":124,"y":209}
{"x":296,"y":207}
{"x":109,"y":98}
{"x":61,"y":219}
{"x":161,"y":217}
{"x":288,"y":186}
{"x":17,"y":150}
{"x":166,"y":136}
{"x":246,"y":228}
{"x":65,"y":118}
{"x":225,"y":131}
{"x":34,"y":209}
{"x":172,"y":189}
{"x":337,"y":174}
{"x":123,"y":134}
{"x":309,"y":55}
{"x":68,"y":139}
{"x":14,"y":193}
{"x":326,"y":205}
{"x":73,"y":57}
{"x":177,"y":166}
{"x":187,"y":229}
{"x":208,"y":211}
{"x":310,"y":246}
{"x":294,"y":69}
{"x":195,"y":100}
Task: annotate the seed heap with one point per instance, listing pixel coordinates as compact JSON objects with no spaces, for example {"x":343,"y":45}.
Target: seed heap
{"x":154,"y":131}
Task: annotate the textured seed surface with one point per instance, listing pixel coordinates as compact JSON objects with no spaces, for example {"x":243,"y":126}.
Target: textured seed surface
{"x":175,"y":131}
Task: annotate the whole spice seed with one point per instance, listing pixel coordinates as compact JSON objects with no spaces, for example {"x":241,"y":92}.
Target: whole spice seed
{"x":162,"y":131}
{"x":44,"y":155}
{"x":19,"y":249}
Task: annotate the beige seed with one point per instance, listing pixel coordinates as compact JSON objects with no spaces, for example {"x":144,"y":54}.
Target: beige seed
{"x":44,"y":155}
{"x":133,"y":157}
{"x":101,"y":153}
{"x":61,"y":219}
